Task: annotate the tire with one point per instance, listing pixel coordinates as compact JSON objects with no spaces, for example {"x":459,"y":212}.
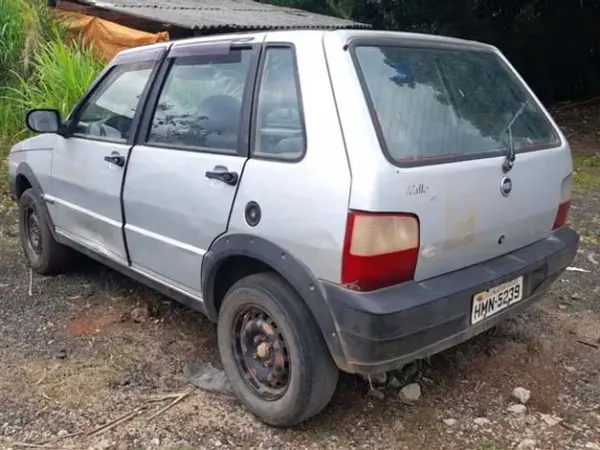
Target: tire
{"x":45,"y":256}
{"x":312,"y":376}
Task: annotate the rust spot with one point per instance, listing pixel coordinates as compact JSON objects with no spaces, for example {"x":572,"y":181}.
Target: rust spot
{"x":268,"y":329}
{"x":279,"y":359}
{"x":263,"y":350}
{"x":83,"y":326}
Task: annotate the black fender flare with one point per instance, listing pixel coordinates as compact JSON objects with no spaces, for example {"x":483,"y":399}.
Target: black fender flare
{"x":287,"y":266}
{"x":25,"y":170}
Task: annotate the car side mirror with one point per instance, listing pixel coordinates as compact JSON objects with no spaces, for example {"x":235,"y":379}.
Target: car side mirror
{"x":43,"y":120}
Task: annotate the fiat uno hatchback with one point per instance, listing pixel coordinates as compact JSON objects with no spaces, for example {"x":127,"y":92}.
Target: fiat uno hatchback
{"x":348,"y":200}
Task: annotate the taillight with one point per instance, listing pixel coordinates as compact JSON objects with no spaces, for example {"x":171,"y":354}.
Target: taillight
{"x":380,"y":249}
{"x":562,"y":213}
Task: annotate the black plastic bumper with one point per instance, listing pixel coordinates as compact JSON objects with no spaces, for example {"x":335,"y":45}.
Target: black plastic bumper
{"x":390,"y":327}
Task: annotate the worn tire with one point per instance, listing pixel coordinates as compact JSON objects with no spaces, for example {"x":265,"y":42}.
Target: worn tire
{"x":313,"y":375}
{"x":54,"y":258}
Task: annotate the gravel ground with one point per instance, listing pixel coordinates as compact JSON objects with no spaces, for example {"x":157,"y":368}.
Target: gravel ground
{"x":78,"y":351}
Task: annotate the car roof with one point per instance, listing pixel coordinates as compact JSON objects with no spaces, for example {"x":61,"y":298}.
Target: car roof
{"x":343,"y":36}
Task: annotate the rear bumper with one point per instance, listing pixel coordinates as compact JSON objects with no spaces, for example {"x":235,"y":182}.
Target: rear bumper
{"x":390,"y":327}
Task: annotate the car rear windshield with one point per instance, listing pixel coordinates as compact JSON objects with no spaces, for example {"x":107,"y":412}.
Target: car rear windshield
{"x":440,"y":104}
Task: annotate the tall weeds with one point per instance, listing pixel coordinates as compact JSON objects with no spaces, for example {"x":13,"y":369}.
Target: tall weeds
{"x":11,"y":37}
{"x":46,"y":69}
{"x":61,"y":74}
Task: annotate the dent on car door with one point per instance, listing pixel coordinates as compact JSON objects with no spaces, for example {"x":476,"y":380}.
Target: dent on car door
{"x":88,"y":163}
{"x":182,"y":176}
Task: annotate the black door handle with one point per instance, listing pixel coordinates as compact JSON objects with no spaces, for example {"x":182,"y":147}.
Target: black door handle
{"x":117,"y":160}
{"x":230,"y":178}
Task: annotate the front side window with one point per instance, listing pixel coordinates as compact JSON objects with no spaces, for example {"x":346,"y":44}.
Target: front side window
{"x":111,"y":109}
{"x":201,"y":102}
{"x":279,"y":130}
{"x":445,"y":104}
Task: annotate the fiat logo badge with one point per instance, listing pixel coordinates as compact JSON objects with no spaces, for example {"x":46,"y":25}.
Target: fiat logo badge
{"x":505,"y":186}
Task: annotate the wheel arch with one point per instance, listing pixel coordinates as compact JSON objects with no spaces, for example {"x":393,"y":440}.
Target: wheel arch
{"x":268,"y":256}
{"x":25,"y":178}
{"x":22,"y":183}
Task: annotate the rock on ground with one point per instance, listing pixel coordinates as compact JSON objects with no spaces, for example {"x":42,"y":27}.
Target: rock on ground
{"x":411,"y":392}
{"x":517,"y":409}
{"x":482,"y":421}
{"x":526,"y":444}
{"x":550,"y":419}
{"x":521,"y":394}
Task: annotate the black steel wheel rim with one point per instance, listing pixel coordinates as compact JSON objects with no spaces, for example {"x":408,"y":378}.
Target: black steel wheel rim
{"x":261,"y":353}
{"x":33,"y":233}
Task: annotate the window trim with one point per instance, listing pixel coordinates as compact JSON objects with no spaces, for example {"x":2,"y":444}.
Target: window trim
{"x":257,"y":91}
{"x":398,"y":43}
{"x":196,"y":50}
{"x":92,"y":95}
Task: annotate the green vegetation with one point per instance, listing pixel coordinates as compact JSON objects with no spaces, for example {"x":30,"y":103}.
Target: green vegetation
{"x":488,"y":445}
{"x":11,"y":37}
{"x":61,"y":74}
{"x":39,"y":67}
{"x":586,"y":172}
{"x":530,"y":32}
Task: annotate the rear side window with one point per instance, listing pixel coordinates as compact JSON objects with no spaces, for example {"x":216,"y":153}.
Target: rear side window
{"x":201,"y":102}
{"x":279,"y":130}
{"x":439,"y":104}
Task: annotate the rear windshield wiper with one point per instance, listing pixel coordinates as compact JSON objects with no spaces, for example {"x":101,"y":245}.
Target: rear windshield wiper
{"x":509,"y":162}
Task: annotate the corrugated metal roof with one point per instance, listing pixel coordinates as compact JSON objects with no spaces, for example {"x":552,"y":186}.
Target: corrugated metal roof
{"x":231,"y":14}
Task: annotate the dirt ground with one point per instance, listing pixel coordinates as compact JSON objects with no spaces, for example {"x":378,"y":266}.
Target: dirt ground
{"x":78,"y":351}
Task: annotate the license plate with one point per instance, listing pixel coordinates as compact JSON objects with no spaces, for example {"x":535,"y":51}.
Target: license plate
{"x":494,"y":300}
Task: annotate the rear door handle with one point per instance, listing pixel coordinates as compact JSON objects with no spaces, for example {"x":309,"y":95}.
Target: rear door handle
{"x":230,"y":178}
{"x":117,"y":160}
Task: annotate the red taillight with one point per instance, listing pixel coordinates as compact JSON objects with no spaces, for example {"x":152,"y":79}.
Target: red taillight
{"x":380,"y":249}
{"x":562,"y":214}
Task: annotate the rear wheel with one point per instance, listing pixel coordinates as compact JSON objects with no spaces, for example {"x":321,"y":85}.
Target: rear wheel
{"x":44,"y":254}
{"x":273,"y":352}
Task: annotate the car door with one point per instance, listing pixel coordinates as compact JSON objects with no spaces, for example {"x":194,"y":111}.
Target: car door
{"x":88,"y":162}
{"x":184,"y":170}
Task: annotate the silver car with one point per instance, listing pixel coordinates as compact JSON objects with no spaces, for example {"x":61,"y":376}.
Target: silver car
{"x":348,"y":200}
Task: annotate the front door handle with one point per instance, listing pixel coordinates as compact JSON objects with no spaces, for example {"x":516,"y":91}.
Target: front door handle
{"x":117,"y":160}
{"x":230,"y":178}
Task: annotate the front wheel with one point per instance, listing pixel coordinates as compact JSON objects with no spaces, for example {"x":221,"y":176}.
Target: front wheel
{"x":273,"y":352}
{"x":45,"y":255}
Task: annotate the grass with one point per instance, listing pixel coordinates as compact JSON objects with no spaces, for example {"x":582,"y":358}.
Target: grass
{"x":586,"y":172}
{"x":24,"y":26}
{"x":11,"y":37}
{"x":488,"y":445}
{"x":586,"y":161}
{"x":39,"y":68}
{"x":62,"y":73}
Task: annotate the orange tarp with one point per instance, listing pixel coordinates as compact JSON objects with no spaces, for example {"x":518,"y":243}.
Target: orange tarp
{"x":107,"y":38}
